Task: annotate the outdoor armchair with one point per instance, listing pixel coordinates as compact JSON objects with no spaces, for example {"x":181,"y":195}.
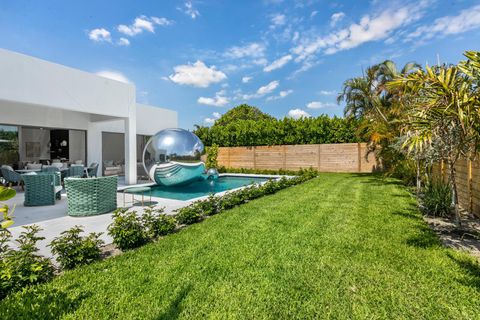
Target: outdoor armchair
{"x":75,"y":171}
{"x":91,"y":196}
{"x":10,"y":176}
{"x":92,"y":169}
{"x":41,"y":189}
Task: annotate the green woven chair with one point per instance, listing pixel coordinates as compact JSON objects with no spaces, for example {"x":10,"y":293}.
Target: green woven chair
{"x":92,"y":169}
{"x":50,"y":169}
{"x":11,"y":177}
{"x":75,"y":171}
{"x":41,"y":189}
{"x":91,"y":196}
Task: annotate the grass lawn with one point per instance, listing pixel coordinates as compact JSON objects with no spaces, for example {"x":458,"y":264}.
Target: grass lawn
{"x":338,"y":246}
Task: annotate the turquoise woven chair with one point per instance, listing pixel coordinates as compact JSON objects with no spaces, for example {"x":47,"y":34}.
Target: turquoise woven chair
{"x":50,"y":169}
{"x":92,"y":169}
{"x":91,"y":196}
{"x":42,"y":189}
{"x":11,"y":177}
{"x":75,"y":172}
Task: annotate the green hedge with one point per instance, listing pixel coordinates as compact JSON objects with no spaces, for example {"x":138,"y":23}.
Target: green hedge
{"x":322,"y":129}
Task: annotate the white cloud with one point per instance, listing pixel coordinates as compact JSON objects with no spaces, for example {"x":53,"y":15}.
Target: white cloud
{"x":100,"y":35}
{"x":313,"y":14}
{"x":282,"y":94}
{"x":113,"y":75}
{"x":218,"y":101}
{"x":298,"y":113}
{"x":268,"y":88}
{"x":215,"y":117}
{"x":320,"y":105}
{"x":278,"y":20}
{"x":123,"y":42}
{"x":189,"y":10}
{"x":143,"y":23}
{"x":246,"y":79}
{"x":197,"y":75}
{"x":263,"y":90}
{"x":327,"y":93}
{"x":336,"y":17}
{"x":251,"y":50}
{"x":277,"y":64}
{"x":369,"y":28}
{"x":466,"y":20}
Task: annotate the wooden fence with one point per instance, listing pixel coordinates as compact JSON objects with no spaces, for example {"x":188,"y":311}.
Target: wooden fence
{"x":344,"y":157}
{"x":468,"y":183}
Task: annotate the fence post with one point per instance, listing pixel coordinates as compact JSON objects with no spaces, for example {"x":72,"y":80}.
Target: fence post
{"x":255,"y":158}
{"x":359,"y":157}
{"x":319,"y":156}
{"x":228,"y":157}
{"x":284,"y":157}
{"x":470,"y":186}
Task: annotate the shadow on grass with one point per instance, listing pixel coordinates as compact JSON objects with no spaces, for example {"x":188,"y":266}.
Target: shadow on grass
{"x":411,"y":212}
{"x":424,"y":238}
{"x":471,"y":268}
{"x":175,"y":308}
{"x":40,"y":302}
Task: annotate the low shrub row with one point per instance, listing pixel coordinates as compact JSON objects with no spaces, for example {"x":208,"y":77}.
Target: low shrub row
{"x":23,"y":266}
{"x":280,"y":172}
{"x":130,"y":230}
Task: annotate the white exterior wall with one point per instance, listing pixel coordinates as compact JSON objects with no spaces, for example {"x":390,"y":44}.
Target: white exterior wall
{"x":26,"y":79}
{"x":34,"y":92}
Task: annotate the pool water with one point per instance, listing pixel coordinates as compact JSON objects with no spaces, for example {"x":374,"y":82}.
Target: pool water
{"x":204,"y":188}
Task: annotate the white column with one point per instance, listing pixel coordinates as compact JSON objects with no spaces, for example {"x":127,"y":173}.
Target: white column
{"x":131,"y":148}
{"x":94,"y":146}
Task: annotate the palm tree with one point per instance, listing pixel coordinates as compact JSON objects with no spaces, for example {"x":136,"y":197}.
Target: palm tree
{"x":442,"y":115}
{"x":377,"y":107}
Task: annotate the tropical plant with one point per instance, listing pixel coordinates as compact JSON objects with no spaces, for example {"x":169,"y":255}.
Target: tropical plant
{"x":23,"y":266}
{"x":156,"y":223}
{"x":443,"y":117}
{"x":127,"y":229}
{"x":376,"y":107}
{"x":437,"y":198}
{"x":212,"y":155}
{"x":73,"y":250}
{"x":6,"y":212}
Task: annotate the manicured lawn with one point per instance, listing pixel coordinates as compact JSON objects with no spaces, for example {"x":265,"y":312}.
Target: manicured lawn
{"x":339,"y":246}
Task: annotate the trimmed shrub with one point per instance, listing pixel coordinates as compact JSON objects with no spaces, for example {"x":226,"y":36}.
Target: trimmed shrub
{"x":73,"y":250}
{"x":156,"y":223}
{"x":437,"y":199}
{"x":209,"y":207}
{"x":23,"y":266}
{"x":190,"y":214}
{"x":127,"y":229}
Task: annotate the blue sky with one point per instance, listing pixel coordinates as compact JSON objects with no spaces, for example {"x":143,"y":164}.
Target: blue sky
{"x":201,"y":58}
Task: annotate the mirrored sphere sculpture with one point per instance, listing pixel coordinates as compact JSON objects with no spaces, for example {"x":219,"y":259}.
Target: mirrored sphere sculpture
{"x":172,"y":157}
{"x":212,"y":174}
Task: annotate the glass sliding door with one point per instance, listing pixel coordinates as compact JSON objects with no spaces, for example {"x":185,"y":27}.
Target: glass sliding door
{"x":9,"y":148}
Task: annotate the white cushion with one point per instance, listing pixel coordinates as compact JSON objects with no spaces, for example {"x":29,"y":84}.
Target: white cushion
{"x":7,"y":167}
{"x":57,"y":165}
{"x":34,"y":166}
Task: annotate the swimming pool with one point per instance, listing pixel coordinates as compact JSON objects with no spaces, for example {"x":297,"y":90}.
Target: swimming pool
{"x":204,"y":188}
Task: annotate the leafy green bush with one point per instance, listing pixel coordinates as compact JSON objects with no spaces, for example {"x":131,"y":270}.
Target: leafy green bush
{"x":212,"y":155}
{"x":6,"y":218}
{"x":156,"y":223}
{"x":23,"y":266}
{"x":437,"y":199}
{"x":190,"y":214}
{"x":127,"y":229}
{"x":73,"y":250}
{"x":209,"y":206}
{"x":267,"y":131}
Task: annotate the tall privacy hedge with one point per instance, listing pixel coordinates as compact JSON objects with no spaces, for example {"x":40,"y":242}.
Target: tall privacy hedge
{"x":322,"y":129}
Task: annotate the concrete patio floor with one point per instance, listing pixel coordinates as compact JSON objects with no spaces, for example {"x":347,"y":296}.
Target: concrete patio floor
{"x":54,"y":219}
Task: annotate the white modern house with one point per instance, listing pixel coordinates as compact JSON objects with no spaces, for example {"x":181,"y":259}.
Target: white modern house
{"x":57,"y":112}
